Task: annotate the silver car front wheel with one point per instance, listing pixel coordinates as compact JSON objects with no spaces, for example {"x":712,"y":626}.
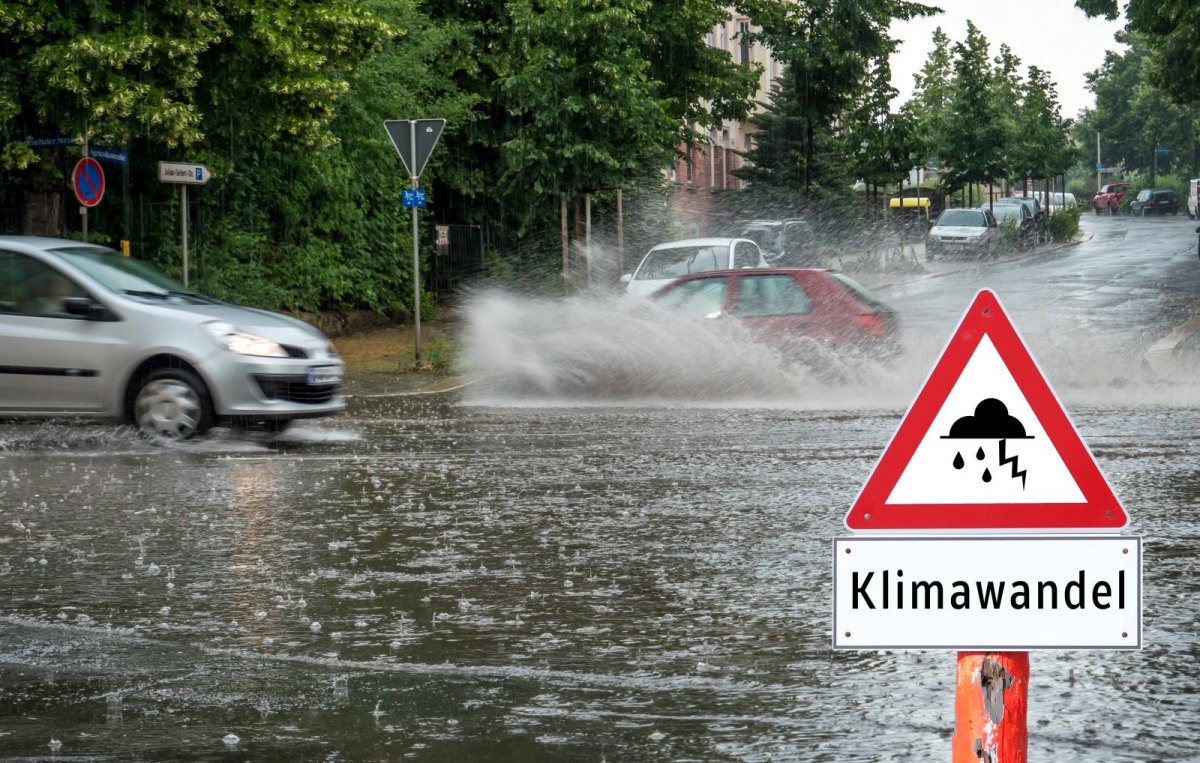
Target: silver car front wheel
{"x":171,"y":404}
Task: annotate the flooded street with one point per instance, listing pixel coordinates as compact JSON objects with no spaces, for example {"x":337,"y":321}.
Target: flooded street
{"x":454,"y":582}
{"x":630,"y":576}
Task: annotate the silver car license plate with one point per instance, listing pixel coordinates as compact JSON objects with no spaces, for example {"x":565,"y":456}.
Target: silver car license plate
{"x":324,"y":375}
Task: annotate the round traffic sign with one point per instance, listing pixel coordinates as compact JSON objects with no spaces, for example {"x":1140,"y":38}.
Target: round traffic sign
{"x":88,"y":180}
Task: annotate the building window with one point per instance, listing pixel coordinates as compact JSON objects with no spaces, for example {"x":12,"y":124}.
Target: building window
{"x":723,"y":38}
{"x":743,"y":42}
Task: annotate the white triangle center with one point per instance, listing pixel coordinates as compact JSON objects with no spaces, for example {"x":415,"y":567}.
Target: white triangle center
{"x":971,"y":467}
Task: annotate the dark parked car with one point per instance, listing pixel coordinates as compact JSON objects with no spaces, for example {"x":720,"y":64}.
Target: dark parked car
{"x":783,"y":305}
{"x":1155,"y":201}
{"x":784,"y":243}
{"x":1021,"y":219}
{"x":1035,"y":209}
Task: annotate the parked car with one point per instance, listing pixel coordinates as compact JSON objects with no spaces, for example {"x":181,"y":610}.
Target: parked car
{"x":1035,"y":209}
{"x":1062,"y":201}
{"x":666,"y":262}
{"x":1020,"y":218}
{"x":86,"y":332}
{"x":1154,"y":201}
{"x":1109,"y":197}
{"x":784,"y":243}
{"x":791,"y":307}
{"x":963,"y":233}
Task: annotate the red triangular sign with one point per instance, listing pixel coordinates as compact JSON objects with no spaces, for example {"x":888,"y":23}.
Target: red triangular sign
{"x":986,"y":445}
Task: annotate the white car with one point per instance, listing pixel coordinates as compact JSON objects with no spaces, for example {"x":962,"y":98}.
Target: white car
{"x":86,"y":332}
{"x":666,"y":262}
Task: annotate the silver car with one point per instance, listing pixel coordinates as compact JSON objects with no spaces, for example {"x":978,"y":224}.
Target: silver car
{"x":87,"y":332}
{"x":963,"y":233}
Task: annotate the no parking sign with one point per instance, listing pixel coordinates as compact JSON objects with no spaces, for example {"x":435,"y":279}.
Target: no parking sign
{"x":88,"y":181}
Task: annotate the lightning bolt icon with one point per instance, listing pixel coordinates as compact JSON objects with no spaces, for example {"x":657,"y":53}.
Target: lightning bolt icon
{"x":1013,"y":461}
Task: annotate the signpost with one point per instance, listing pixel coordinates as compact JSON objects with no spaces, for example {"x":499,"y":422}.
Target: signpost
{"x":183,"y":174}
{"x":414,"y":140}
{"x":982,"y":531}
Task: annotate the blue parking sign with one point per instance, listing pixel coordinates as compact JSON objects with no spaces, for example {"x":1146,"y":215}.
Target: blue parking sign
{"x":413,"y":197}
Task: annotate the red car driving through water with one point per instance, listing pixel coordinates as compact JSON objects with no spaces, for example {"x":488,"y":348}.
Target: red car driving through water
{"x":783,"y":305}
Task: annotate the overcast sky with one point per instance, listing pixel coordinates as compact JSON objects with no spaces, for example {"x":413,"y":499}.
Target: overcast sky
{"x":1053,"y":35}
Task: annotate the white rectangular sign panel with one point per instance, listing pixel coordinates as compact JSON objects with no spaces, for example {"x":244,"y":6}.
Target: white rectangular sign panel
{"x":181,"y":172}
{"x":987,"y":592}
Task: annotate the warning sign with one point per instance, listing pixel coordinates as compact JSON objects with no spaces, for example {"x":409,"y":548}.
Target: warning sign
{"x":986,"y":445}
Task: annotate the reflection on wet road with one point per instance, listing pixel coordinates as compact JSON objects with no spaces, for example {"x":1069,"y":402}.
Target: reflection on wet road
{"x":448,"y":581}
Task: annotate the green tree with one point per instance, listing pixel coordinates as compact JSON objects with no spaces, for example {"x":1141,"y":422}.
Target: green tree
{"x":1041,"y":147}
{"x":929,"y":107}
{"x":1171,"y":31}
{"x":976,"y":133}
{"x":1132,"y":116}
{"x":829,"y":48}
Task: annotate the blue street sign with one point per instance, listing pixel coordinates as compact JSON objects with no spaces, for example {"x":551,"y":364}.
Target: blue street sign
{"x":1163,"y":150}
{"x":413,"y":197}
{"x":108,"y":155}
{"x":1099,"y":166}
{"x":51,"y":141}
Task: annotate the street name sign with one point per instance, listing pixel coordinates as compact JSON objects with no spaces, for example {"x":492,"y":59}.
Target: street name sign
{"x":183,"y":173}
{"x":88,"y":181}
{"x":114,"y":155}
{"x":987,"y":592}
{"x":986,"y":446}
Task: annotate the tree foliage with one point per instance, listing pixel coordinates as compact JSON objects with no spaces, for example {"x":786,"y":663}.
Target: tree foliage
{"x":1133,"y":116}
{"x":1170,"y":31}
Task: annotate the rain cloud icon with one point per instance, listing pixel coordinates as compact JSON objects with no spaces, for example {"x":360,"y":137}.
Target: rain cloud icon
{"x":991,"y":421}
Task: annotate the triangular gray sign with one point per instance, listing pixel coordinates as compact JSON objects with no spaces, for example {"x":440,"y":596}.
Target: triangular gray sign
{"x":416,"y":153}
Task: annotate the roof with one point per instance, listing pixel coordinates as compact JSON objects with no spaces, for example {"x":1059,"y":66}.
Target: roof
{"x":715,"y":241}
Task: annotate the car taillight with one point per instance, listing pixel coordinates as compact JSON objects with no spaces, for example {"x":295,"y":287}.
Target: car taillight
{"x":873,"y":324}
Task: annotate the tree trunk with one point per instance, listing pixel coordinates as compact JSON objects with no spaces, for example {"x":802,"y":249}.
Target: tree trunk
{"x":44,"y":214}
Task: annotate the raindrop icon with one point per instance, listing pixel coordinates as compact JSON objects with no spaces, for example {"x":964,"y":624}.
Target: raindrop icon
{"x":987,"y":475}
{"x":958,"y":461}
{"x":979,"y":454}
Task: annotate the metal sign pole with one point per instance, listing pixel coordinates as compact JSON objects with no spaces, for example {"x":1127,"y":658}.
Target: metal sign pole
{"x":183,"y":222}
{"x":416,"y":259}
{"x":83,"y":207}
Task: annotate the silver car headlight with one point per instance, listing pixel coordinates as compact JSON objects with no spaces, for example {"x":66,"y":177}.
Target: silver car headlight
{"x":234,"y":339}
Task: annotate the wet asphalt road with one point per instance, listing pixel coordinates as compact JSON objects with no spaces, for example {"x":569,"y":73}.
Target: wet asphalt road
{"x":511,"y":572}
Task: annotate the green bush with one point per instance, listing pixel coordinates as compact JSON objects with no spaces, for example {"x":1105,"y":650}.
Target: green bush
{"x":1009,"y":235}
{"x":1063,"y":223}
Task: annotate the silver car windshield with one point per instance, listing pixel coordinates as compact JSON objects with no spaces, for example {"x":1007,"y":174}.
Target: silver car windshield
{"x":129,"y":276}
{"x":963,"y":217}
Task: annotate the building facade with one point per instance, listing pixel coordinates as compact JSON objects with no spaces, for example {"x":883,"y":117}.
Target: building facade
{"x":705,"y":172}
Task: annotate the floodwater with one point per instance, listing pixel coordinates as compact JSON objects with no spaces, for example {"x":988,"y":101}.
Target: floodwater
{"x":525,"y":571}
{"x":431,"y":580}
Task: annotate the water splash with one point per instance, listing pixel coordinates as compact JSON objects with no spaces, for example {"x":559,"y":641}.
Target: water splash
{"x":602,"y":348}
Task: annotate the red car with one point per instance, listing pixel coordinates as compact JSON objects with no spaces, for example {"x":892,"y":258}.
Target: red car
{"x":1109,"y":197}
{"x":783,"y":305}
